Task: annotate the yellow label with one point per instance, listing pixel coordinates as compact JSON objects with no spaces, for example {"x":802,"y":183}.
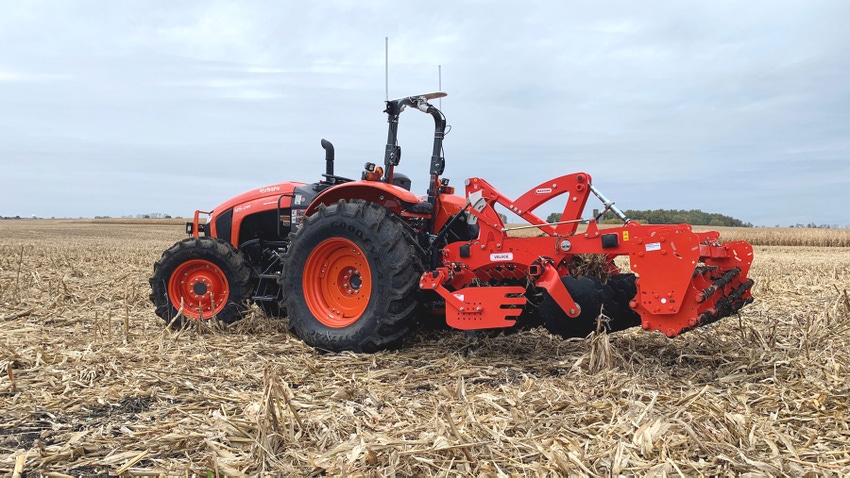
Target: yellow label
{"x":625,"y":236}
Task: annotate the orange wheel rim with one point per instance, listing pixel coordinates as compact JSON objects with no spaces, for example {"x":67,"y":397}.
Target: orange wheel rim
{"x":200,"y":287}
{"x":337,"y":282}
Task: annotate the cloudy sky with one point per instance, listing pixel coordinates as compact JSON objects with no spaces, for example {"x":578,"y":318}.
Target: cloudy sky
{"x":120,"y":108}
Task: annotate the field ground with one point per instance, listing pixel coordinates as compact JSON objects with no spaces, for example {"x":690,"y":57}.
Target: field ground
{"x":92,"y":383}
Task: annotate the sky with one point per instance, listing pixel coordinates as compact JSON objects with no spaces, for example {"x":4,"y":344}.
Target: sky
{"x":133,"y":107}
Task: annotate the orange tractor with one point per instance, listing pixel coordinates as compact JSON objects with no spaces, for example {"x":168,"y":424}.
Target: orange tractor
{"x":359,"y":264}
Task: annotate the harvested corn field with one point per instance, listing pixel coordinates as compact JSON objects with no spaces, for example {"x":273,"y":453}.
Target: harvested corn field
{"x":91,"y":383}
{"x":784,"y":236}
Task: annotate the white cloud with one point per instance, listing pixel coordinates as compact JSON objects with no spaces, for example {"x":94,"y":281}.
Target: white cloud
{"x":18,"y":77}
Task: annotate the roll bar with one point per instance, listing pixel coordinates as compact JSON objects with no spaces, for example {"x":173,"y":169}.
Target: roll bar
{"x":392,"y":154}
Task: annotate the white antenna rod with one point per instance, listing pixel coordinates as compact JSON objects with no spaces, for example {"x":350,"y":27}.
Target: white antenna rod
{"x":440,"y":83}
{"x":387,"y":67}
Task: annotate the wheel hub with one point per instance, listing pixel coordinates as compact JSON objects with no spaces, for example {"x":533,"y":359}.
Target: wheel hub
{"x":200,"y":287}
{"x":355,"y":281}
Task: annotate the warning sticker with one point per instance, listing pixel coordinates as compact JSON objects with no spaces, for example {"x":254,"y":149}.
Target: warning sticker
{"x":653,"y":246}
{"x":625,"y":236}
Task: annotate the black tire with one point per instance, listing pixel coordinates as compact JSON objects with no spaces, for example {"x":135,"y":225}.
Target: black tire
{"x":386,"y":312}
{"x":591,"y":295}
{"x":217,"y":269}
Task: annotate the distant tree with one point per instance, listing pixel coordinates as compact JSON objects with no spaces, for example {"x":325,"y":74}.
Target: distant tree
{"x":680,"y":216}
{"x":554,"y":217}
{"x":504,"y":218}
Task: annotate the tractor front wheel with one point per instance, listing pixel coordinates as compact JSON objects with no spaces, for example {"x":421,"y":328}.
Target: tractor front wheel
{"x":204,"y":277}
{"x":351,"y":277}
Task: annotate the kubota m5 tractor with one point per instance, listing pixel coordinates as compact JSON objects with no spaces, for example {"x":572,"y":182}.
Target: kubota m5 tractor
{"x":357,"y":264}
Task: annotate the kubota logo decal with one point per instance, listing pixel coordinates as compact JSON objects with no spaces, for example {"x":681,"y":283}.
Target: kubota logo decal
{"x":543,"y":191}
{"x":269,"y":189}
{"x":504,"y":256}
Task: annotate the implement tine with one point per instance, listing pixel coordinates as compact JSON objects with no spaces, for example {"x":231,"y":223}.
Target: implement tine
{"x":718,"y":284}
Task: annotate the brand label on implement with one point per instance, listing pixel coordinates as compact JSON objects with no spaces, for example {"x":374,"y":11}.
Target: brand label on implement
{"x":543,"y":190}
{"x":653,"y":246}
{"x":504,"y":256}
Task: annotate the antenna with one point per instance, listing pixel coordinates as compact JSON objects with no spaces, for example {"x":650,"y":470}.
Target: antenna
{"x":387,"y":67}
{"x":440,"y":83}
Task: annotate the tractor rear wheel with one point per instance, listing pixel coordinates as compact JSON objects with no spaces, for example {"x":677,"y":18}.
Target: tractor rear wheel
{"x":350,"y":278}
{"x":611,"y":298}
{"x":205,"y":276}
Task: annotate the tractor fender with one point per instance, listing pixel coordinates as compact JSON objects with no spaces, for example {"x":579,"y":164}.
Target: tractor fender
{"x":448,"y":206}
{"x":390,"y":196}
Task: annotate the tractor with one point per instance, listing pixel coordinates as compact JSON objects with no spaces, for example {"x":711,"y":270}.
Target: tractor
{"x":360,"y":264}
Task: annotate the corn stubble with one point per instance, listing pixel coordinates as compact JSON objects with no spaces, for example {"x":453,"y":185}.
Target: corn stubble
{"x":92,"y":382}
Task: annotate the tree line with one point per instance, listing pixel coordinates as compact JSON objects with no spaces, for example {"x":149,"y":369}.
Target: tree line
{"x":694,"y":217}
